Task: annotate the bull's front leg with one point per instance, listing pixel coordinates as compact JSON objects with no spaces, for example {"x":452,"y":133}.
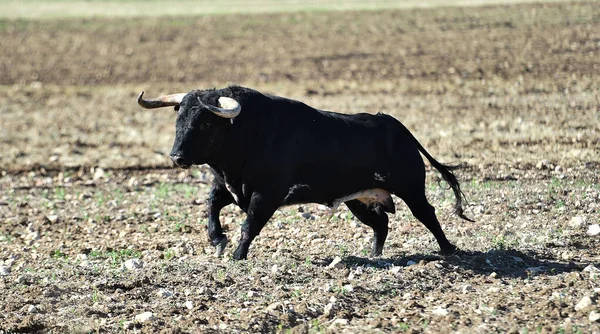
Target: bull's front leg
{"x":260,"y":210}
{"x":218,"y":199}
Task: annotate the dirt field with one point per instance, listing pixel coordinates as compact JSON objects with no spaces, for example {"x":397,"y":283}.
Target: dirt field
{"x":96,"y":228}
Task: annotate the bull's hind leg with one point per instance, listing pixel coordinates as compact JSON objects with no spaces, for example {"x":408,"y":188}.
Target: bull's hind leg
{"x":424,"y":212}
{"x":376,"y":219}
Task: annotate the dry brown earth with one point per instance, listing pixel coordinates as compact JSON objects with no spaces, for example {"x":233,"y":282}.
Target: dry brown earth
{"x":510,"y":92}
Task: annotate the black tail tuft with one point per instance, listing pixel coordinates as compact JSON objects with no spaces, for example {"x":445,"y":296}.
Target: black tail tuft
{"x":449,"y":177}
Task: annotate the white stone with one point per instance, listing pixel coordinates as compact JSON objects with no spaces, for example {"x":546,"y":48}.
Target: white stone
{"x":164,"y":293}
{"x":251,"y":294}
{"x":52,"y":218}
{"x":594,"y":316}
{"x":576,"y":221}
{"x":327,"y":309}
{"x":594,"y":272}
{"x":4,"y":270}
{"x":584,"y":303}
{"x":396,"y":270}
{"x":143,"y":317}
{"x":593,"y":230}
{"x":32,"y":309}
{"x":467,"y":288}
{"x":133,"y":264}
{"x":338,"y":322}
{"x":440,"y":311}
{"x":337,"y":263}
{"x":189,"y":305}
{"x":348,"y":288}
{"x":85,"y":264}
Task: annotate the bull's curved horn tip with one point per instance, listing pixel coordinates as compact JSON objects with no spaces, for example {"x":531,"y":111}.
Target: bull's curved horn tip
{"x":140,"y":95}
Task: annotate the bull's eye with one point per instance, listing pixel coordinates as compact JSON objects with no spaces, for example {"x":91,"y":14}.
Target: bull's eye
{"x":176,"y":107}
{"x":204,"y":126}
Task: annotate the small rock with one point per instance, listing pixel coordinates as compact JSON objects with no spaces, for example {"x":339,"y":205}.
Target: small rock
{"x":594,"y":272}
{"x":348,"y":288}
{"x":584,"y":303}
{"x":543,"y":164}
{"x":395,"y":270}
{"x":133,"y":264}
{"x":4,"y":270}
{"x":338,"y":322}
{"x":128,"y":324}
{"x":274,"y":269}
{"x":467,"y":288}
{"x":307,"y":215}
{"x":558,"y":169}
{"x":440,"y":311}
{"x":85,"y":264}
{"x":52,"y":218}
{"x":337,"y":263}
{"x":493,"y":275}
{"x":273,"y":306}
{"x":143,"y":317}
{"x":327,"y":309}
{"x":594,"y":316}
{"x":32,"y":309}
{"x":251,"y":294}
{"x":576,"y":222}
{"x":189,"y":305}
{"x":593,"y":230}
{"x":98,"y":173}
{"x":164,"y":293}
{"x":410,"y":263}
{"x":20,"y":279}
{"x":278,"y":225}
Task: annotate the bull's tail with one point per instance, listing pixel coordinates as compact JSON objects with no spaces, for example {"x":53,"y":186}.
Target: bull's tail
{"x":449,"y":177}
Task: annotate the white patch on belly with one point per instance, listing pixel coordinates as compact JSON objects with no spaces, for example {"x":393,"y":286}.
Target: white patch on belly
{"x":368,"y":197}
{"x":232,"y":192}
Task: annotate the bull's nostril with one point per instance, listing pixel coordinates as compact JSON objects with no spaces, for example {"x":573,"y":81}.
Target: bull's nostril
{"x":177,"y":160}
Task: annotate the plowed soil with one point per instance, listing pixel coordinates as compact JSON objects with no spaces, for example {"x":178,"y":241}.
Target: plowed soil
{"x":96,"y":227}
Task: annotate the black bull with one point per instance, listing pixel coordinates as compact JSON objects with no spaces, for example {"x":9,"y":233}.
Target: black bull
{"x":267,"y":151}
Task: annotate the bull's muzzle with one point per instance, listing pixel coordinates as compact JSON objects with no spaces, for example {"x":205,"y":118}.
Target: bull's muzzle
{"x":179,"y":161}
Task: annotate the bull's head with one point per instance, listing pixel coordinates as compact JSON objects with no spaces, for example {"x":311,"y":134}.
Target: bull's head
{"x":202,"y":120}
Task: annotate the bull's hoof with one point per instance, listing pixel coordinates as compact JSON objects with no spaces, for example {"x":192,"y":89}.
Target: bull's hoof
{"x":221,"y":246}
{"x":449,"y":250}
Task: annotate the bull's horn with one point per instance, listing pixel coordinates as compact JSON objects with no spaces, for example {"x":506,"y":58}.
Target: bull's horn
{"x":230,"y":108}
{"x":163,"y":101}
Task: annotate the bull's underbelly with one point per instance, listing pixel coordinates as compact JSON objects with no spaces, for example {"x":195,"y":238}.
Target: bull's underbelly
{"x":303,"y":194}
